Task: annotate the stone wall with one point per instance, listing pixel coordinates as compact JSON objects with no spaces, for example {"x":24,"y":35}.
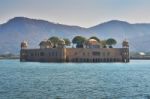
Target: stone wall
{"x":94,"y":55}
{"x":42,"y":55}
{"x":75,"y":55}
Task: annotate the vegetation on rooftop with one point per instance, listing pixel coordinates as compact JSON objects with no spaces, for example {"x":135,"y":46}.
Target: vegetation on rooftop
{"x":80,"y":41}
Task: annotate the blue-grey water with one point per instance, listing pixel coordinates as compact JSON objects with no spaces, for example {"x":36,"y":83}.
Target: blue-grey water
{"x":29,"y":80}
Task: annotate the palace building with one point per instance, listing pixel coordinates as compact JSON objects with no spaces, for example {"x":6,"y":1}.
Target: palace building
{"x":91,"y":52}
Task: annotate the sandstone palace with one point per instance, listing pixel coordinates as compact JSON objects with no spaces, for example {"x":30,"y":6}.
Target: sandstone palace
{"x":81,"y":50}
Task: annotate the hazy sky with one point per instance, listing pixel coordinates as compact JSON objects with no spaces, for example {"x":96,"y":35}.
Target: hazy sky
{"x":77,"y":12}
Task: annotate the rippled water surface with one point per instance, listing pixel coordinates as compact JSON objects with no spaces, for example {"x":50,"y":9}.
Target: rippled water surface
{"x":29,"y":80}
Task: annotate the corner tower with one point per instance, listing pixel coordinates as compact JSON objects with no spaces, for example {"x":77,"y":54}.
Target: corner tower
{"x":125,"y":51}
{"x":23,"y":54}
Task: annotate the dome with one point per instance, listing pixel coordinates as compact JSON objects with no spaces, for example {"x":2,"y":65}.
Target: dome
{"x":48,"y":42}
{"x":42,"y":43}
{"x":24,"y":44}
{"x":62,"y":42}
{"x":125,"y":43}
{"x":92,"y":41}
{"x":45,"y":44}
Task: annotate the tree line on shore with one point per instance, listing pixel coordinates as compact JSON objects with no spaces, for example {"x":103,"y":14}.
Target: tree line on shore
{"x":80,"y":40}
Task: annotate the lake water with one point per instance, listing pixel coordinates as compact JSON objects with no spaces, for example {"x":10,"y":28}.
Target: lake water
{"x":28,"y":80}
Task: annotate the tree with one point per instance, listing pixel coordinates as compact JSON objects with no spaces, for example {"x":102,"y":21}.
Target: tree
{"x":54,"y":40}
{"x":111,"y":42}
{"x":67,"y":42}
{"x":79,"y":40}
{"x":96,"y":38}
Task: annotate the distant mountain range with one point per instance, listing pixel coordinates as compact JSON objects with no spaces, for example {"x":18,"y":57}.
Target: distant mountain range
{"x":21,"y":28}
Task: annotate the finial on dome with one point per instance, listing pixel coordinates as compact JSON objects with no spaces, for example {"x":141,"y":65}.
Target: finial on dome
{"x":125,"y":44}
{"x":24,"y":44}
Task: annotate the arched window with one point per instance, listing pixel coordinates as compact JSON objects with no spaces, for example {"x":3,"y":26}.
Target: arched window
{"x":49,"y":53}
{"x":41,"y":53}
{"x":104,"y":59}
{"x":76,"y":59}
{"x":111,"y":60}
{"x":84,"y":59}
{"x":107,"y":59}
{"x":55,"y":53}
{"x":32,"y":54}
{"x":114,"y":59}
{"x":87,"y":60}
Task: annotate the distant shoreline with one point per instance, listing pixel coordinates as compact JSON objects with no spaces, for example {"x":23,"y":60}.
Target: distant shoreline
{"x":8,"y":58}
{"x":11,"y":57}
{"x":135,"y":58}
{"x":140,"y":57}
